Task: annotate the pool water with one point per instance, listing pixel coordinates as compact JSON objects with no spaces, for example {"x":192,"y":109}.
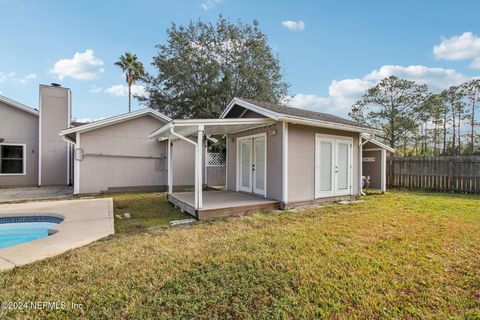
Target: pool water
{"x":15,"y":233}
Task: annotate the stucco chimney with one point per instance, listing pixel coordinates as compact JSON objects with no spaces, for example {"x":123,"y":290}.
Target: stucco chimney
{"x":54,"y":153}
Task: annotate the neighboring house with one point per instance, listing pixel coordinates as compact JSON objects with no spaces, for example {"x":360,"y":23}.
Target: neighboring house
{"x":289,"y":155}
{"x":46,"y":148}
{"x":31,"y":151}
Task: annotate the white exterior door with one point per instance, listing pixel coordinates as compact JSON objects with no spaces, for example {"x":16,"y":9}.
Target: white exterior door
{"x":259,"y":165}
{"x":333,"y":166}
{"x":245,"y":165}
{"x":252,"y":164}
{"x":324,"y":167}
{"x":343,"y":172}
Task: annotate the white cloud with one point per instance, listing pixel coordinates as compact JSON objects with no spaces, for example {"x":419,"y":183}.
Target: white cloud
{"x":294,"y":25}
{"x":11,"y":76}
{"x":121,"y":90}
{"x":463,"y":47}
{"x":83,"y":66}
{"x":96,"y":89}
{"x":28,"y":77}
{"x":436,"y":79}
{"x":343,"y":93}
{"x":209,"y":4}
{"x":475,"y":63}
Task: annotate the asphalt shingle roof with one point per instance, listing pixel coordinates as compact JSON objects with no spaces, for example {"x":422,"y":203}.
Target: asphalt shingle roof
{"x":289,"y":111}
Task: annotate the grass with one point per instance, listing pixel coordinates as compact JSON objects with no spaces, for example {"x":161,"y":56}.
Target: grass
{"x":398,"y":255}
{"x":147,"y":210}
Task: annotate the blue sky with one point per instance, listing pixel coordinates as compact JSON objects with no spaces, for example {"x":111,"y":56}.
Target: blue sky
{"x":331,"y":51}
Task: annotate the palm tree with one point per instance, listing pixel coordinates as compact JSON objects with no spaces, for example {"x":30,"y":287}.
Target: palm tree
{"x":133,"y":71}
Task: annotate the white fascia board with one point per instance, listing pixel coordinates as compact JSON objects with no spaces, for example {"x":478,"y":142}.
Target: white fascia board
{"x":292,"y":119}
{"x":250,"y":106}
{"x":371,"y":139}
{"x":220,"y":122}
{"x":325,"y":124}
{"x":116,"y":119}
{"x":199,"y":124}
{"x":161,"y":130}
{"x":18,"y":105}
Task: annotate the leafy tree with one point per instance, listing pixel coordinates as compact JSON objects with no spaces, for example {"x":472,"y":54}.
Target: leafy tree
{"x":471,"y":90}
{"x":436,"y":108}
{"x":133,"y":72}
{"x":396,"y":105}
{"x":453,"y":99}
{"x":203,"y":66}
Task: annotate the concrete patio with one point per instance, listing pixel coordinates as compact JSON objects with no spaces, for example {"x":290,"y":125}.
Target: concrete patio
{"x":84,"y":221}
{"x":34,"y":193}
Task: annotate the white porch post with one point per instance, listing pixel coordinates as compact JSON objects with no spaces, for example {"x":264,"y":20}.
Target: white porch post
{"x":285,"y":162}
{"x":169,"y":167}
{"x":199,"y":163}
{"x":384,"y":170}
{"x":205,"y":154}
{"x":360,"y":164}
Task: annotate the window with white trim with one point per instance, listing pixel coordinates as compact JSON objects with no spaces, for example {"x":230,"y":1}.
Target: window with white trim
{"x":12,"y":159}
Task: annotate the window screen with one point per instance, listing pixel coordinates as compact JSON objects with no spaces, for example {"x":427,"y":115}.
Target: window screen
{"x":11,"y":159}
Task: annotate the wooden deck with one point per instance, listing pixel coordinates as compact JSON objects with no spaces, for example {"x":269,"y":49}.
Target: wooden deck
{"x":222,"y":203}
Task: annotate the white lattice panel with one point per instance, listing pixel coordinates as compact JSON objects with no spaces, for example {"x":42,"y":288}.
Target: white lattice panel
{"x":215,"y":160}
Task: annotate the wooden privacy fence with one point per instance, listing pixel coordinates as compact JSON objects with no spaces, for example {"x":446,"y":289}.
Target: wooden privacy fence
{"x":215,"y":169}
{"x":453,"y":174}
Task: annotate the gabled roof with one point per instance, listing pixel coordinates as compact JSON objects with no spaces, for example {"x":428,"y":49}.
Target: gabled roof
{"x":116,"y":119}
{"x":371,"y":139}
{"x":18,"y":105}
{"x":283,"y":113}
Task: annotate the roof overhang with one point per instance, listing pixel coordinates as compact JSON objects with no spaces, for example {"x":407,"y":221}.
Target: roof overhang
{"x":326,"y":124}
{"x":295,"y":120}
{"x":212,"y":127}
{"x":242,"y":103}
{"x":116,"y":119}
{"x":371,"y":138}
{"x":18,"y":105}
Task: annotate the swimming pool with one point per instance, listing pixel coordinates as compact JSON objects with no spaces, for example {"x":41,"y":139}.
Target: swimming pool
{"x":16,"y":230}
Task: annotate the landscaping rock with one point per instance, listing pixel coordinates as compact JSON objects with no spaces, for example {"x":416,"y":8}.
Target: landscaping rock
{"x":127,"y":215}
{"x":118,"y":216}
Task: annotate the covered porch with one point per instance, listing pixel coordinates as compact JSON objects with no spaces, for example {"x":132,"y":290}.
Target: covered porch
{"x":205,"y":204}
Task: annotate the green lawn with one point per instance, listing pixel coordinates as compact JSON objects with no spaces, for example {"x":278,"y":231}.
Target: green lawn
{"x":398,"y":255}
{"x":147,"y":210}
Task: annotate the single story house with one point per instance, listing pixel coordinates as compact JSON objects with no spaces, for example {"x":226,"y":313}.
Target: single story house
{"x":281,"y":156}
{"x":276,"y":156}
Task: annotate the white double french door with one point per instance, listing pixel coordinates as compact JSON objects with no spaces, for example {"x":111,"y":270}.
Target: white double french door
{"x":333,"y":166}
{"x":252,"y":164}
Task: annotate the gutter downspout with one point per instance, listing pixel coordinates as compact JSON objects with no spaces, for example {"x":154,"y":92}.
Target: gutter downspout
{"x":69,"y":141}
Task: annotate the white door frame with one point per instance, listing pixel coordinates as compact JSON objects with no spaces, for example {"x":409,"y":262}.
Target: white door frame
{"x":240,"y":187}
{"x":349,"y":143}
{"x":254,"y":175}
{"x":238,"y":160}
{"x":318,"y":192}
{"x":334,"y":139}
